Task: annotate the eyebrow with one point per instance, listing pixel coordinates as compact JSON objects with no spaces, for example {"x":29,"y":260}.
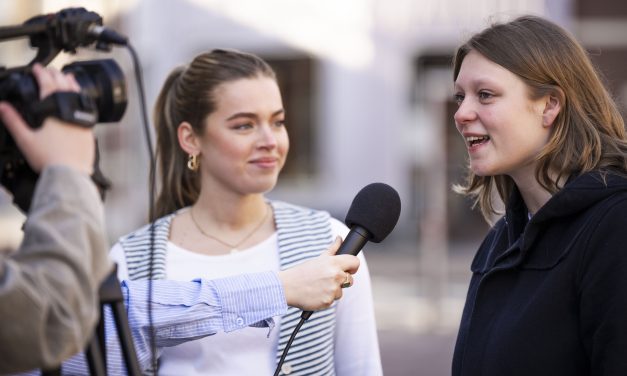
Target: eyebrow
{"x":477,"y":82}
{"x":252,"y":115}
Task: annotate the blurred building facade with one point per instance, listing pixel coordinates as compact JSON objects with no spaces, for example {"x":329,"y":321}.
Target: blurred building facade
{"x":367,"y":87}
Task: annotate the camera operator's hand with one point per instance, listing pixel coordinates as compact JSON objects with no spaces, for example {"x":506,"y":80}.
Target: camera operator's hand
{"x":315,"y":284}
{"x":56,"y":142}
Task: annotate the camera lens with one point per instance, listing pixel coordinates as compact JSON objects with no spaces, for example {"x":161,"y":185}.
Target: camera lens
{"x":103,"y":81}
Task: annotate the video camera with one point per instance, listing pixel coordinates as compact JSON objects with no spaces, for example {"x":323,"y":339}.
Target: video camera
{"x":102,"y":97}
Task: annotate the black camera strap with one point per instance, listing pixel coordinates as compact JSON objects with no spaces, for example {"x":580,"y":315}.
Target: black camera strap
{"x":77,"y":108}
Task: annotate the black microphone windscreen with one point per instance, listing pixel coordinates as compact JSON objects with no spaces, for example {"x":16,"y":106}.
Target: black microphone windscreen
{"x":376,"y":208}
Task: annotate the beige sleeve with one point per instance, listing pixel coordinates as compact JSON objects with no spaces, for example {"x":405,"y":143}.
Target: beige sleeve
{"x":49,"y":286}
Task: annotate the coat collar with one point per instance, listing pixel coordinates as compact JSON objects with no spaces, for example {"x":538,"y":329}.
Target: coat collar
{"x":513,"y":241}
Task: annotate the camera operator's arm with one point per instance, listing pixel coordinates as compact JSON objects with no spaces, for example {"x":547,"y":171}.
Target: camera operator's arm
{"x":48,"y":287}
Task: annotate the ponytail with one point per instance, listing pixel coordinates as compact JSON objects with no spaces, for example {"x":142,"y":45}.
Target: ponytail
{"x":180,"y":186}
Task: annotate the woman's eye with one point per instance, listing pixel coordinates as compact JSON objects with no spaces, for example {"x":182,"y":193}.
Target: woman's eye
{"x":279,"y":123}
{"x":243,"y":126}
{"x":458,"y":98}
{"x":483,"y":95}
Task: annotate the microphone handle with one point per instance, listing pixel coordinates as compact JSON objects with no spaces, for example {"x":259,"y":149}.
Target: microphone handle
{"x":354,"y":242}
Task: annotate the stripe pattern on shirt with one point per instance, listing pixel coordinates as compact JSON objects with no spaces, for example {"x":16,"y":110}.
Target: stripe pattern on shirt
{"x":304,"y":234}
{"x":137,"y":250}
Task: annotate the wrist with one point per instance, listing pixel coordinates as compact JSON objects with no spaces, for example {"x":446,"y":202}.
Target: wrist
{"x":285,"y":278}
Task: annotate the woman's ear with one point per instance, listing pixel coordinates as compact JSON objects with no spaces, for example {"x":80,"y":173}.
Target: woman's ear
{"x":552,"y":107}
{"x":188,"y":139}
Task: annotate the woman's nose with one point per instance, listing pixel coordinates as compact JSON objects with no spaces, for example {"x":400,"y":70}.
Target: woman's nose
{"x":465,"y":113}
{"x":267,"y":138}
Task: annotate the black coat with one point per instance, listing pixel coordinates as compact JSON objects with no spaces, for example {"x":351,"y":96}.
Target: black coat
{"x":548,"y":296}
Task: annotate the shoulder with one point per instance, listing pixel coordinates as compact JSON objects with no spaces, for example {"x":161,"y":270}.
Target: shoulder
{"x":117,"y":255}
{"x":289,"y":207}
{"x":287,"y":210}
{"x":162,"y":228}
{"x":284,"y":209}
{"x":338,"y":227}
{"x":603,"y":257}
{"x":611,"y":213}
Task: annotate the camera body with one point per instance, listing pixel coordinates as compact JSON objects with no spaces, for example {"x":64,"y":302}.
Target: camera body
{"x":102,"y":97}
{"x":101,"y":81}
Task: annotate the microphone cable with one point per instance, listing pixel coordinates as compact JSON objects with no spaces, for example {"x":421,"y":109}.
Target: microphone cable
{"x":112,"y":37}
{"x":109,"y":36}
{"x":151,"y":199}
{"x":303,"y":318}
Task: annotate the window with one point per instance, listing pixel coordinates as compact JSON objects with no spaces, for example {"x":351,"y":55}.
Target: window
{"x":296,"y":78}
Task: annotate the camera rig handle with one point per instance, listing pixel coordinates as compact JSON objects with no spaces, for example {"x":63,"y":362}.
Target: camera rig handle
{"x":65,"y":30}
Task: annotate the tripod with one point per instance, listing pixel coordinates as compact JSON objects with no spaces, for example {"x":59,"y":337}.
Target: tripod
{"x":111,"y":294}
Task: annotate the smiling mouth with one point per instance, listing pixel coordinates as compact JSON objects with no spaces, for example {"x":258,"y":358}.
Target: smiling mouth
{"x":264,"y":161}
{"x":476,"y":140}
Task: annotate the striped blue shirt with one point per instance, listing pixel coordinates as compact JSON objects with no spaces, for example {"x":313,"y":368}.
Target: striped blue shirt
{"x":185,"y":311}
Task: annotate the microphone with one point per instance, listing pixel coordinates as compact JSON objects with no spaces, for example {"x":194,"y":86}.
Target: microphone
{"x":371,"y":217}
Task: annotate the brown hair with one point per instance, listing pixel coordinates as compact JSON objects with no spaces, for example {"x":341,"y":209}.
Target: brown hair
{"x":588,"y":133}
{"x":188,"y":95}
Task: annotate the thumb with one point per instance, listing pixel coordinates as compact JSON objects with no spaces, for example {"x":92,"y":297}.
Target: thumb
{"x":16,"y":125}
{"x":334,"y":247}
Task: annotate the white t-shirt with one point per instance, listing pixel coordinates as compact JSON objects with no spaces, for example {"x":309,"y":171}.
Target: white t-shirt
{"x":251,"y":351}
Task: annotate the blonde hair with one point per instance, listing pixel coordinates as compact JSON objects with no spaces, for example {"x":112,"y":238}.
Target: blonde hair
{"x":588,"y":133}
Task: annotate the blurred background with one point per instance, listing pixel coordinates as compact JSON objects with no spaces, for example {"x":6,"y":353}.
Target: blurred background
{"x":367,"y":85}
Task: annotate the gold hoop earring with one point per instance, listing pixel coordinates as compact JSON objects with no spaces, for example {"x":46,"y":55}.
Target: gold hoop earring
{"x":192,"y":162}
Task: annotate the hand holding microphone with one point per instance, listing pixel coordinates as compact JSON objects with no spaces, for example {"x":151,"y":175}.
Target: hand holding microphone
{"x":371,"y":217}
{"x":315,"y":284}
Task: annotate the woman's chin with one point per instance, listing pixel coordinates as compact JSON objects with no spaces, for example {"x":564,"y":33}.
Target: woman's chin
{"x":263,"y":185}
{"x":482,"y":171}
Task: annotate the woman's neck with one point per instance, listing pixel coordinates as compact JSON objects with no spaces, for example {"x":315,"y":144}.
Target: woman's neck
{"x":534,"y":195}
{"x":230,"y":211}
